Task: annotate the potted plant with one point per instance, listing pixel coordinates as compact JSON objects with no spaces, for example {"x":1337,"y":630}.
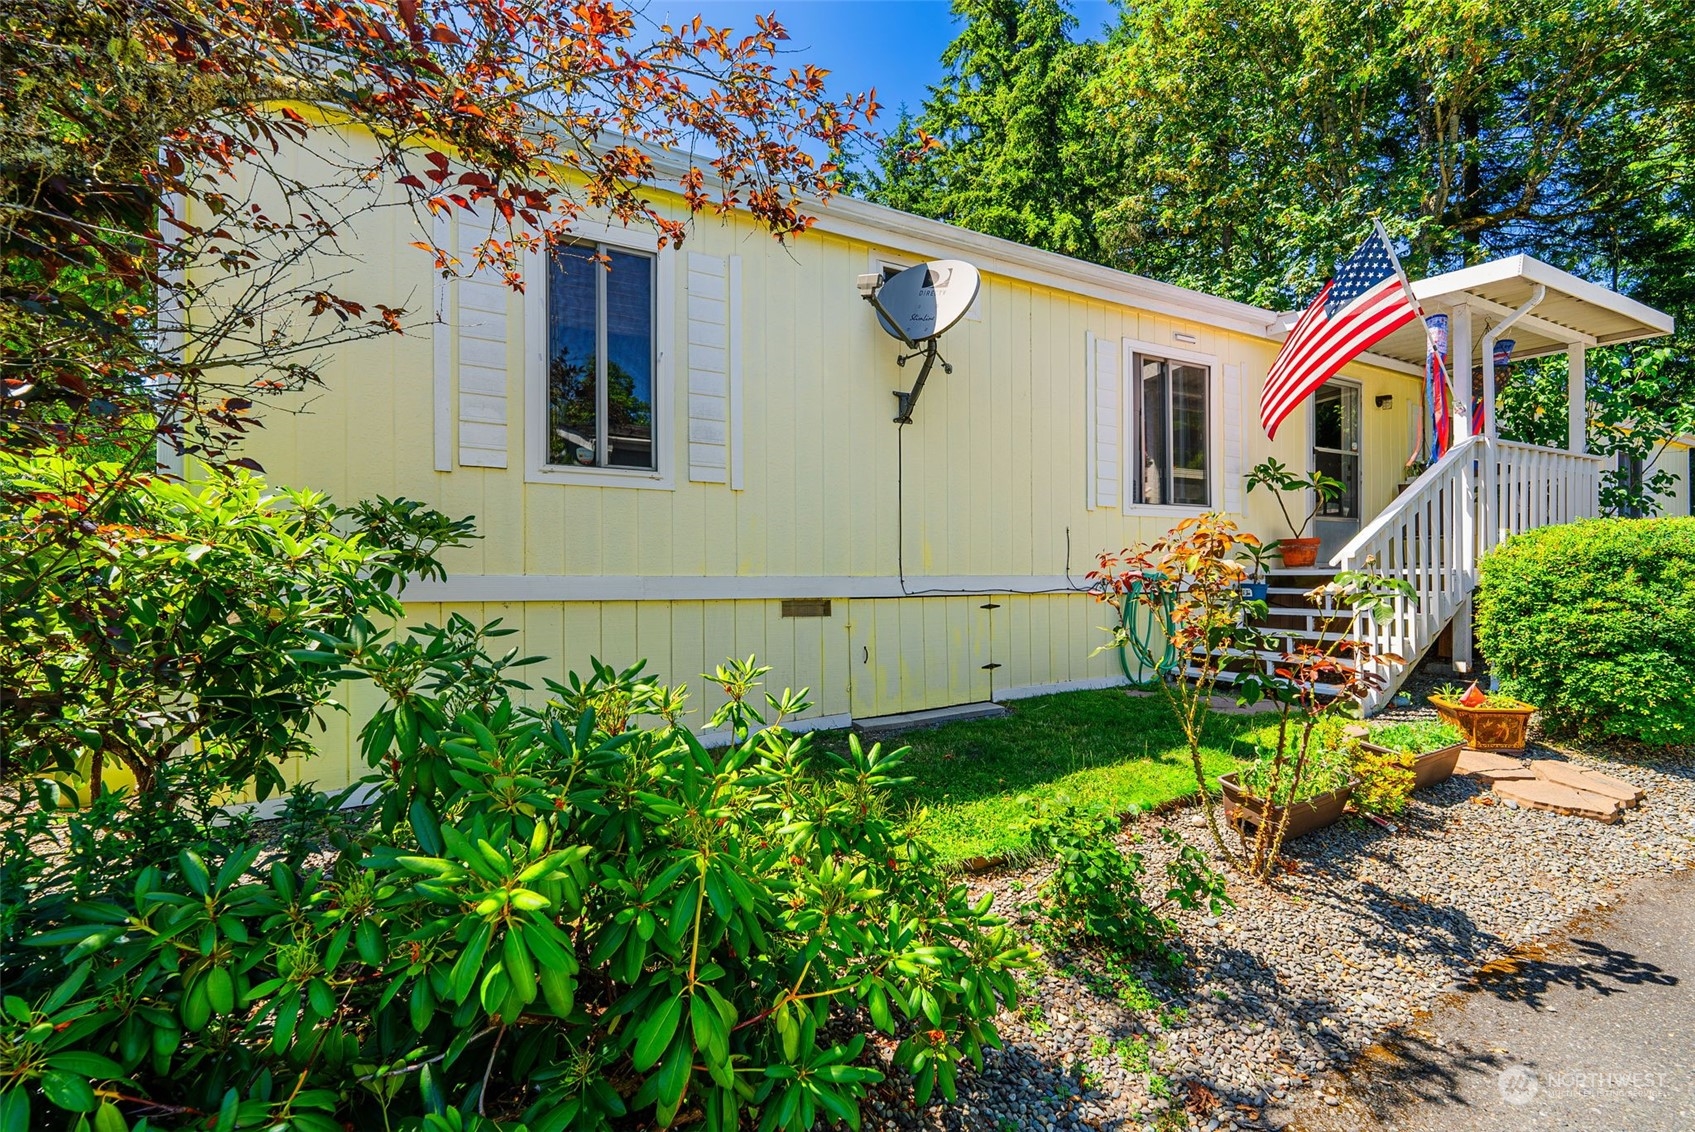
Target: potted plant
{"x":1297,"y":805}
{"x":1188,"y":584}
{"x":1433,"y":745}
{"x":1258,"y":560}
{"x":1297,"y":550}
{"x":1488,"y":720}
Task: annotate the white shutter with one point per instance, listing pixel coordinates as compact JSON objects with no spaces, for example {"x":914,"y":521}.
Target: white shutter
{"x":1234,"y":442}
{"x":481,"y":341}
{"x":441,"y":342}
{"x":714,"y":323}
{"x":1106,"y":423}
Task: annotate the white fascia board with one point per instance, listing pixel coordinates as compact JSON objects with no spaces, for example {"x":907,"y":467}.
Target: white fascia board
{"x":935,"y":239}
{"x":1394,"y":365}
{"x":1533,"y":271}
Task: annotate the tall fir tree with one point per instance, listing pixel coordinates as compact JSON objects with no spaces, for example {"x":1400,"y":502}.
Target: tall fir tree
{"x":1004,"y":144}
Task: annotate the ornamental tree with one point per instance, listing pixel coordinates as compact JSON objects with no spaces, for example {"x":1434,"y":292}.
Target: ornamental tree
{"x":145,"y":174}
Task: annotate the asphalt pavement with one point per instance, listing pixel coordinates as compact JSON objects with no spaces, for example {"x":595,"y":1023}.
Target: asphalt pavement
{"x":1594,"y":1032}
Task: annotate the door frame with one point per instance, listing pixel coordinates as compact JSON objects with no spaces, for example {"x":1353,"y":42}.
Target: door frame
{"x":1336,"y":531}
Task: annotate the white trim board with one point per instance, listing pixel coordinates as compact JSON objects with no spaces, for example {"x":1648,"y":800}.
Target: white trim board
{"x":726,"y":587}
{"x":1087,"y":684}
{"x":721,"y":737}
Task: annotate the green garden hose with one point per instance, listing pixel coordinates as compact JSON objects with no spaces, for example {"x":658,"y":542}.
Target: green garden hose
{"x":1144,"y":630}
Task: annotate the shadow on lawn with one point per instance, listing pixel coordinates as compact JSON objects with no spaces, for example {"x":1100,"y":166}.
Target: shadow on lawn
{"x":1044,"y":739}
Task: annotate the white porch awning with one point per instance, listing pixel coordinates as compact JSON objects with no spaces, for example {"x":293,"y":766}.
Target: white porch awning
{"x":1572,"y":311}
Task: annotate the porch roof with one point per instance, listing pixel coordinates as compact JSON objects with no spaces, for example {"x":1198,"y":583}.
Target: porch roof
{"x":1573,"y":311}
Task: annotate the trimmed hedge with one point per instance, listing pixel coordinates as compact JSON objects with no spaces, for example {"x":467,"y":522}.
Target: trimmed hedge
{"x":1595,"y":623}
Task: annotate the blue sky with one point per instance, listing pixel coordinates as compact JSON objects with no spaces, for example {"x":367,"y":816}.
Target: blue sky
{"x":892,"y":45}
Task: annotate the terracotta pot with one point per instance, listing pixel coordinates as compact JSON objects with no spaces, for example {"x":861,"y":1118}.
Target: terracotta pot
{"x":1298,"y":551}
{"x":1487,"y":728}
{"x":1432,"y":766}
{"x":1242,"y":809}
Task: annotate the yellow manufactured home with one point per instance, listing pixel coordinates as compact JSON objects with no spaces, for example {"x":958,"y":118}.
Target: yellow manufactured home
{"x":692,"y":455}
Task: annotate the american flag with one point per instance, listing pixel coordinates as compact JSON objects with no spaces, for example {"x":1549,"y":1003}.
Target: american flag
{"x":1365,"y":302}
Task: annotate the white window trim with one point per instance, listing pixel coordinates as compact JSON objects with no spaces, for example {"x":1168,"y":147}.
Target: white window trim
{"x":1132,"y":439}
{"x":665,"y":410}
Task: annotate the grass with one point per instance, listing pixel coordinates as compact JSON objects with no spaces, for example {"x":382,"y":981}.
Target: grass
{"x":980,"y":778}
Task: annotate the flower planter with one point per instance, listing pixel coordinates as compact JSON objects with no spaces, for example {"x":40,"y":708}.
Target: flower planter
{"x":1242,"y":809}
{"x":1487,"y":728}
{"x":1430,"y":767}
{"x":1298,"y":551}
{"x":1256,"y":591}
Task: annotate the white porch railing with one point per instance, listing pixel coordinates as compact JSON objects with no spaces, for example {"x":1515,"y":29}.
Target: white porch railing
{"x":1435,"y":531}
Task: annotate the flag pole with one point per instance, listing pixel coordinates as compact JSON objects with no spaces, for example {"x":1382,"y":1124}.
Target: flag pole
{"x":1429,"y":338}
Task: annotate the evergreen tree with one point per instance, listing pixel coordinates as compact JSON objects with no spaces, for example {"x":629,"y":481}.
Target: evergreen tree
{"x":1013,"y":151}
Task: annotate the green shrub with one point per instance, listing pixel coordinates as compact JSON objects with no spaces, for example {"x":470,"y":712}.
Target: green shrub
{"x":1386,"y":779}
{"x":1594,"y":623}
{"x":1095,"y":892}
{"x":546,"y":923}
{"x":553,"y":914}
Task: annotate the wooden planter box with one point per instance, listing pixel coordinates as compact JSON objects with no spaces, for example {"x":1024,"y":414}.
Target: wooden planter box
{"x":1430,"y":767}
{"x":1242,"y":809}
{"x":1487,"y":728}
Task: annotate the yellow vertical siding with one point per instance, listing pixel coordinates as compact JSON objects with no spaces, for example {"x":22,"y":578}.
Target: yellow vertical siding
{"x":988,"y":480}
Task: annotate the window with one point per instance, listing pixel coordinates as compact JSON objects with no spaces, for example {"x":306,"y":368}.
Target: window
{"x":600,"y":358}
{"x":1336,"y":444}
{"x":1171,"y":442}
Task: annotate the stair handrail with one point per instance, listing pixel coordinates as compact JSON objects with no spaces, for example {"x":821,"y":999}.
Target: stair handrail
{"x":1352,"y":554}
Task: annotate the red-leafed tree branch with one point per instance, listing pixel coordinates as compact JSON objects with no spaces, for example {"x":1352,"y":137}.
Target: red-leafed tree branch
{"x":164,"y":263}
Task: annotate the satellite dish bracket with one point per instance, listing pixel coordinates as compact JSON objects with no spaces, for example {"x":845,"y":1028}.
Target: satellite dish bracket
{"x":906,"y":402}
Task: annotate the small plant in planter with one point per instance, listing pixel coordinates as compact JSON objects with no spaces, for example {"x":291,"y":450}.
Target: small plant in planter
{"x":1433,"y":745}
{"x":1190,"y":583}
{"x":1280,"y":479}
{"x":1489,"y":721}
{"x":1258,"y":560}
{"x":1314,"y":800}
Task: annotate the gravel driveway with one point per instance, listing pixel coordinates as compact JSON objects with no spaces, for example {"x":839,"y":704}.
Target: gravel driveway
{"x":1595,"y":1034}
{"x":1370,"y":932}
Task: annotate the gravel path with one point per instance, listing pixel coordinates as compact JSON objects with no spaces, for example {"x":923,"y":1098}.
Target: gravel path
{"x":1366,"y":934}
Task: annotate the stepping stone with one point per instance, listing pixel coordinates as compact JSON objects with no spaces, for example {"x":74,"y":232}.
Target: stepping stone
{"x":1540,"y":794}
{"x":1624,"y":793}
{"x":1490,"y":768}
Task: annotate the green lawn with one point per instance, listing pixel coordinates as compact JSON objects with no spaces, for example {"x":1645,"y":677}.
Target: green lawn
{"x":1100,"y":746}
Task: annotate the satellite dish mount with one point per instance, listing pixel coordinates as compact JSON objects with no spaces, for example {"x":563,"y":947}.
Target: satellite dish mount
{"x":916,"y":307}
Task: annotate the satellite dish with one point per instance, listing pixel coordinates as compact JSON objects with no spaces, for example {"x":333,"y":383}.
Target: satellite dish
{"x":923,"y":302}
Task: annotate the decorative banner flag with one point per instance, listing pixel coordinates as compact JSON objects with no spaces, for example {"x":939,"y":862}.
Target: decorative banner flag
{"x":1503,"y":362}
{"x":1436,"y":386}
{"x":1365,"y":301}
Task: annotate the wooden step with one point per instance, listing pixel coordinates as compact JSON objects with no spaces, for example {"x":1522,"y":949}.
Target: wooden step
{"x":1489,"y":767}
{"x":1592,"y":781}
{"x":1541,"y":794}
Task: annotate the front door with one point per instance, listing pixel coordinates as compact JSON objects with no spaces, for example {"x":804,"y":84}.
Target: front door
{"x":1336,"y":453}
